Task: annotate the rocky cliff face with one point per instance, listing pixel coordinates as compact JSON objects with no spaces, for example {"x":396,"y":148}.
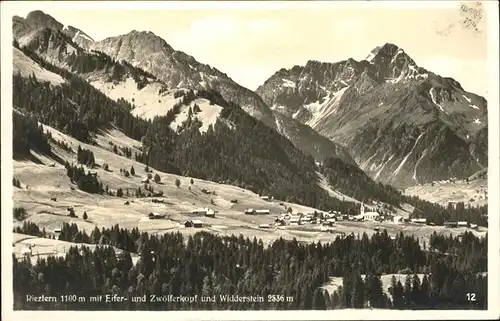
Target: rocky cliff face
{"x":402,"y":124}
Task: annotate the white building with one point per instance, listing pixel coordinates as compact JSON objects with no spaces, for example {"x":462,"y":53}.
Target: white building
{"x":463,"y":224}
{"x":367,"y":216}
{"x":264,"y":226}
{"x":397,"y":219}
{"x":419,"y":220}
{"x":262,"y":212}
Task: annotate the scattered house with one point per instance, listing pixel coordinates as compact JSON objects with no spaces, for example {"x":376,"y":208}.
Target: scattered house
{"x":250,"y":211}
{"x":145,"y":180}
{"x":376,"y":229}
{"x":324,"y":228}
{"x":473,"y":226}
{"x":264,"y":226}
{"x":127,"y":203}
{"x":197,"y":223}
{"x":157,"y":201}
{"x":463,"y":224}
{"x":264,"y":198}
{"x":451,"y":224}
{"x":188,"y":224}
{"x":57,"y":230}
{"x":158,"y":194}
{"x":155,"y":216}
{"x":350,"y":217}
{"x":209,"y":212}
{"x":262,"y":212}
{"x":294,"y":219}
{"x":397,"y":219}
{"x":53,"y":199}
{"x":52,"y":165}
{"x":419,"y":220}
{"x":328,"y":222}
{"x":200,"y":211}
{"x":235,"y":201}
{"x":279,"y":222}
{"x":281,"y":203}
{"x":306,"y":219}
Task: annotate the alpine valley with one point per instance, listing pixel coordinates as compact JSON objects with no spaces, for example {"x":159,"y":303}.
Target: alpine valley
{"x":174,"y":180}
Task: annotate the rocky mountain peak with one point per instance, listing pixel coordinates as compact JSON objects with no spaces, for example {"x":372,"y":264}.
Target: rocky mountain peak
{"x":42,"y":20}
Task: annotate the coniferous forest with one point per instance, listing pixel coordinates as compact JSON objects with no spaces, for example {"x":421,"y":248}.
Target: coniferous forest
{"x":254,"y":156}
{"x":446,"y":273}
{"x":451,"y":272}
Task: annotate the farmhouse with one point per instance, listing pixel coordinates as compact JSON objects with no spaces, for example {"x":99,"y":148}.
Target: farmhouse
{"x":473,"y":226}
{"x":262,"y":212}
{"x":200,"y":211}
{"x":419,"y":220}
{"x":155,"y":216}
{"x":250,"y":211}
{"x":57,"y":230}
{"x":463,"y":224}
{"x":264,"y":198}
{"x":197,"y":223}
{"x":209,"y":212}
{"x":294,"y":219}
{"x":264,"y":226}
{"x":145,"y":180}
{"x":451,"y":224}
{"x":188,"y":224}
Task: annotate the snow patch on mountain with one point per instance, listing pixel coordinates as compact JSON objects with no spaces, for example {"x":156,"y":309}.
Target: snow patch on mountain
{"x":325,"y":109}
{"x":431,"y":92}
{"x":467,"y":98}
{"x":383,"y":165}
{"x":27,"y":67}
{"x":396,"y":172}
{"x":208,"y":114}
{"x":477,"y":121}
{"x":147,"y":101}
{"x":418,"y":162}
{"x":474,"y":106}
{"x":288,"y":83}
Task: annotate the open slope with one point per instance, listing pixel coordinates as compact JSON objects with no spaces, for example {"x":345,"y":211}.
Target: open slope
{"x":42,"y":182}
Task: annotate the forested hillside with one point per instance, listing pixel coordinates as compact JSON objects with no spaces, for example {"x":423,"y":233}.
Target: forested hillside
{"x":206,"y":265}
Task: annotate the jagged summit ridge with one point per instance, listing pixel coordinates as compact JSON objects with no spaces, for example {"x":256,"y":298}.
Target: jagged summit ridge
{"x":378,"y":107}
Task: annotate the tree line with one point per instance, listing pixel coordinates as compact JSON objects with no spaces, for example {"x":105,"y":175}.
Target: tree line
{"x":207,"y":264}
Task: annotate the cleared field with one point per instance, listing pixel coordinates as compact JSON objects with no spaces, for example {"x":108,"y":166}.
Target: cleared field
{"x":473,"y":193}
{"x":44,"y":247}
{"x":335,"y":282}
{"x":42,"y":182}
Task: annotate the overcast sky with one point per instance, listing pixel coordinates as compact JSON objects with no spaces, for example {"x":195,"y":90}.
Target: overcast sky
{"x":250,"y":43}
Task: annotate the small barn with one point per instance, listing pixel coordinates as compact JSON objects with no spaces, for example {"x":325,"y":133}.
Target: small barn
{"x":197,"y":223}
{"x":145,"y":180}
{"x":200,"y":211}
{"x":264,"y":226}
{"x":451,"y":224}
{"x":419,"y":220}
{"x":473,"y":226}
{"x":262,"y":212}
{"x":250,"y":211}
{"x":156,"y":216}
{"x":209,"y":212}
{"x":188,"y":224}
{"x":264,"y":198}
{"x":463,"y":224}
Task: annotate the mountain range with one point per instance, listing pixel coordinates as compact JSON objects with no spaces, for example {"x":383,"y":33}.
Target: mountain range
{"x":398,"y":122}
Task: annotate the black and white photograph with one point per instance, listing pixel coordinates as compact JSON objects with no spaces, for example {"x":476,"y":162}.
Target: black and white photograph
{"x":250,"y":159}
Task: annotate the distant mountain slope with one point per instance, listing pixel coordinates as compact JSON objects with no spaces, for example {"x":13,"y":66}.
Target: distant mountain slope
{"x":42,"y":34}
{"x":403,"y":124}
